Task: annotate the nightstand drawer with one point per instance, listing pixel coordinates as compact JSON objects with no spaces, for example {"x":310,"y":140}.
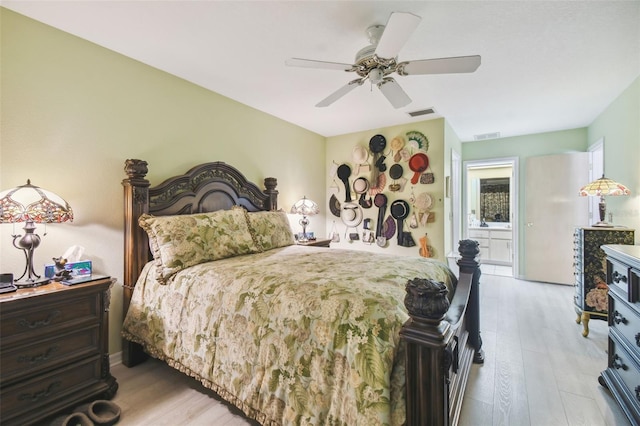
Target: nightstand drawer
{"x":618,"y":277}
{"x":42,"y":354}
{"x":625,"y":321}
{"x":31,"y":321}
{"x":623,"y":365}
{"x":49,"y":389}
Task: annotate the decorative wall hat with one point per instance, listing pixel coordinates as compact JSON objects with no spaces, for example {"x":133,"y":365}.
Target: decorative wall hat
{"x":351,"y":215}
{"x":423,"y":202}
{"x":360,"y":155}
{"x":396,"y":146}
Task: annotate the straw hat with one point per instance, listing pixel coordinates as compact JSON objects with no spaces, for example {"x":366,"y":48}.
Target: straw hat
{"x":351,"y":215}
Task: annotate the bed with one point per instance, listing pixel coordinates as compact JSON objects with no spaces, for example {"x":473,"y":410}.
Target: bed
{"x":286,"y":333}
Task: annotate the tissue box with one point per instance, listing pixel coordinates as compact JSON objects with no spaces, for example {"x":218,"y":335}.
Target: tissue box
{"x":78,"y":269}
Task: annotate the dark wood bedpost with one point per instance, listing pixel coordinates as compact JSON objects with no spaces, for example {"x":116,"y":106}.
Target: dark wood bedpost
{"x":438,"y":343}
{"x":271,"y":203}
{"x":469,"y":249}
{"x":136,"y":199}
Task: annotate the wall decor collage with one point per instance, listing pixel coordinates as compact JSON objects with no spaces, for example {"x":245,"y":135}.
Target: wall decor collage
{"x":363,"y":184}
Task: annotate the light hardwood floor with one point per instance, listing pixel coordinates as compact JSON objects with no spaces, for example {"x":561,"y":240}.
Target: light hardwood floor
{"x":538,"y":370}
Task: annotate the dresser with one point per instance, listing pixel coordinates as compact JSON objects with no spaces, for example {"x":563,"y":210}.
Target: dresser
{"x":622,"y":376}
{"x":54,"y":341}
{"x":589,"y":263}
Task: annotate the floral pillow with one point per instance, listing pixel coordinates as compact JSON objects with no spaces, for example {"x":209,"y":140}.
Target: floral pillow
{"x":271,"y":229}
{"x":178,"y":242}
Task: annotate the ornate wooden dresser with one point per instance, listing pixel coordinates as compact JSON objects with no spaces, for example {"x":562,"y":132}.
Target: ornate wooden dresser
{"x":622,"y":375}
{"x":54,"y":353}
{"x":590,"y":297}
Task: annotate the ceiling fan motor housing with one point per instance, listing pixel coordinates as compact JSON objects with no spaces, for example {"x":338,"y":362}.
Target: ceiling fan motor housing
{"x":367,"y":60}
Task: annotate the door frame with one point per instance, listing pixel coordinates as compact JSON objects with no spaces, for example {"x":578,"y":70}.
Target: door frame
{"x":514,"y":206}
{"x":453,"y":187}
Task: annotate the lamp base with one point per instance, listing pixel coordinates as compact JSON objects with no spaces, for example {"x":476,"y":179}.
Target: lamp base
{"x":603,"y":225}
{"x":31,"y":283}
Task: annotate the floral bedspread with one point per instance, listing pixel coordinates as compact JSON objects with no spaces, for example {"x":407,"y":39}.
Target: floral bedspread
{"x":291,"y":336}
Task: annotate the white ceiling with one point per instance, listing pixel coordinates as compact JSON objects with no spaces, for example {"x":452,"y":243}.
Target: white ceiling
{"x":546,"y":65}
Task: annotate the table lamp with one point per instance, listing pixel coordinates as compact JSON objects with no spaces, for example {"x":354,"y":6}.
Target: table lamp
{"x":603,"y":187}
{"x":305,"y":207}
{"x":31,"y":204}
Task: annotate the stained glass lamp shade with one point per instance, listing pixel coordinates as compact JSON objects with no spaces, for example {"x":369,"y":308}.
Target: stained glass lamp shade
{"x":603,"y":187}
{"x":31,"y":204}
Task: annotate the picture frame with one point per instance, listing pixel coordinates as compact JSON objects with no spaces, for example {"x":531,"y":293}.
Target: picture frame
{"x":447,"y":186}
{"x":309,"y":235}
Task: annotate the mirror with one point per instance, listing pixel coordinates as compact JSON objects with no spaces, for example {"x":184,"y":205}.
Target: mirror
{"x":494,"y":199}
{"x":489,"y":195}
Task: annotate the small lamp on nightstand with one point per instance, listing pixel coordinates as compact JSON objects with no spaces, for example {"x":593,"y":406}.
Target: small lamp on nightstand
{"x":305,"y":207}
{"x":603,"y":187}
{"x":31,"y":204}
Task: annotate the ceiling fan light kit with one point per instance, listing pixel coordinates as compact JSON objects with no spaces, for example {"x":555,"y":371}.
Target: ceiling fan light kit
{"x":378,"y":60}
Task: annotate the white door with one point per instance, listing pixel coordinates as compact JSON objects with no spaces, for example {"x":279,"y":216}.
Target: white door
{"x":553,"y":210}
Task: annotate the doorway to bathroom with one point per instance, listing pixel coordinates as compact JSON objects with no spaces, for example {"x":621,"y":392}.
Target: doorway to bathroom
{"x":490,"y":197}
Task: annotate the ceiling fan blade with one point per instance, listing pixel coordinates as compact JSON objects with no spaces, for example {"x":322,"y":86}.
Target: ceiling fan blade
{"x":340,"y":93}
{"x":452,"y":65}
{"x":394,"y":93}
{"x":308,"y":63}
{"x":396,"y":33}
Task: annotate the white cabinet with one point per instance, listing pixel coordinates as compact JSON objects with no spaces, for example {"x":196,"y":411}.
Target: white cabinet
{"x":495,"y":245}
{"x":500,"y":245}
{"x":482,"y":237}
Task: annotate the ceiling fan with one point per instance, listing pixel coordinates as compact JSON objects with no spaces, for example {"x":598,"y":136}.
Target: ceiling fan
{"x":377,"y":61}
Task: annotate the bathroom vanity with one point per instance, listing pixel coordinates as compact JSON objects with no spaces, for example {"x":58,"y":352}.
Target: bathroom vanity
{"x":496,"y":243}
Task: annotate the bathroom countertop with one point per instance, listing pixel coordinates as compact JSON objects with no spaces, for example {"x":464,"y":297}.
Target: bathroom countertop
{"x":496,"y":227}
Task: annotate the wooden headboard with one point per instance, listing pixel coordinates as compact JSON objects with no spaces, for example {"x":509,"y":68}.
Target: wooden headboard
{"x":204,"y":188}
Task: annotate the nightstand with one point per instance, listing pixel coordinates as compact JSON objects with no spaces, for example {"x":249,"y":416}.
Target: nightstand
{"x":316,"y":243}
{"x":54,"y":341}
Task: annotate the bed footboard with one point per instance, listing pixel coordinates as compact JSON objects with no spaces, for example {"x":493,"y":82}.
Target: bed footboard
{"x":442,"y":338}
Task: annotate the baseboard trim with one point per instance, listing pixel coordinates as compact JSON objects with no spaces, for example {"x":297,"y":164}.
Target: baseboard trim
{"x":115,"y":359}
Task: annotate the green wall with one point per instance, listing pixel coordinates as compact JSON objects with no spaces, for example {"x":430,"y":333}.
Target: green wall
{"x":522,"y":147}
{"x":72,"y":112}
{"x":619,"y":126}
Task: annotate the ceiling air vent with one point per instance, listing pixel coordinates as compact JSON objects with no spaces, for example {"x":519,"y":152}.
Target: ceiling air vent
{"x":485,"y":136}
{"x":421,"y":112}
